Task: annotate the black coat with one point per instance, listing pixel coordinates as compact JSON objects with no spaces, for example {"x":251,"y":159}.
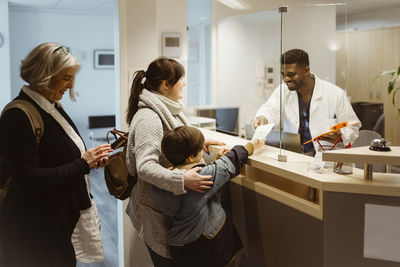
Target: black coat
{"x":47,"y":191}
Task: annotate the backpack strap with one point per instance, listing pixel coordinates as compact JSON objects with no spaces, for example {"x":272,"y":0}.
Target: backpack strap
{"x":32,"y":113}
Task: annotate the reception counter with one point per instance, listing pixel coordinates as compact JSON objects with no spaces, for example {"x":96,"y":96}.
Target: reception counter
{"x":288,"y":216}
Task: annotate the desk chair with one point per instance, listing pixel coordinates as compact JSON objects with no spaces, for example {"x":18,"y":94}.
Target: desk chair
{"x":365,"y":138}
{"x":380,"y":125}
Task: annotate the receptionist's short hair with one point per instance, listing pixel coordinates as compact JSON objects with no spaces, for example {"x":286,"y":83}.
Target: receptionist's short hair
{"x":295,"y":56}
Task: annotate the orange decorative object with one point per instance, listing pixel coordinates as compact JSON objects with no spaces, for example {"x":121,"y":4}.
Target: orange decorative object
{"x":333,"y":129}
{"x":343,"y":124}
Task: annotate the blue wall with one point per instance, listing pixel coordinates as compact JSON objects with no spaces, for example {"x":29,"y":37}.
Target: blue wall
{"x":83,"y":34}
{"x":5,"y":93}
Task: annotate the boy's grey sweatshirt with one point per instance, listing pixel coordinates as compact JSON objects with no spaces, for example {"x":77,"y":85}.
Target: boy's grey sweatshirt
{"x":194,"y":214}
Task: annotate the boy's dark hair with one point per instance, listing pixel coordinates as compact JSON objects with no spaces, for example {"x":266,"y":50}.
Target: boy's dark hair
{"x":295,"y":56}
{"x":178,"y":144}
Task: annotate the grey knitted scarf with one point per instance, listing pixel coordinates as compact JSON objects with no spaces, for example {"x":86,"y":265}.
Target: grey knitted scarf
{"x":164,"y":107}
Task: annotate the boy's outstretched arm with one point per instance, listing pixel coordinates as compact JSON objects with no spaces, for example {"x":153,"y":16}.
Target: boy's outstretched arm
{"x":229,"y":165}
{"x":238,"y":155}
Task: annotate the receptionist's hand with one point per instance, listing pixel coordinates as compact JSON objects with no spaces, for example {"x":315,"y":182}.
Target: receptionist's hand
{"x":260,"y":120}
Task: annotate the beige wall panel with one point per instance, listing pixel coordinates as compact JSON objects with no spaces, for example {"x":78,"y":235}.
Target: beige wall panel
{"x":369,"y":52}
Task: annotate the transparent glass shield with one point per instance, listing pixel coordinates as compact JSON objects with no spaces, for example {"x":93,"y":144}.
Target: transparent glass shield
{"x":248,"y":44}
{"x":199,"y":64}
{"x":199,"y":69}
{"x":247,"y":61}
{"x":283,"y":13}
{"x":313,"y":29}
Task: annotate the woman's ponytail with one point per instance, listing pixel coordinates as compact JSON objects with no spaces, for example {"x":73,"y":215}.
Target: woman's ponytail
{"x":136,"y":90}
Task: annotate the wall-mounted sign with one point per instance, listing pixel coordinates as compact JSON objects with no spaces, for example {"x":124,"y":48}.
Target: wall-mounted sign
{"x":171,"y":45}
{"x":103,"y":59}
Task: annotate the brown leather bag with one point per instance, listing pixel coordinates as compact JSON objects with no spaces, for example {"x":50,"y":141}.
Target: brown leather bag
{"x":119,"y":182}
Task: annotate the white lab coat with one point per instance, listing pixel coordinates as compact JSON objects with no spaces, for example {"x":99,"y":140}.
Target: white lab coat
{"x":329,"y":106}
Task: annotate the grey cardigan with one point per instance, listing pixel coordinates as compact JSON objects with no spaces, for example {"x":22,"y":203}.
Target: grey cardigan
{"x":155,"y":115}
{"x":194,"y":214}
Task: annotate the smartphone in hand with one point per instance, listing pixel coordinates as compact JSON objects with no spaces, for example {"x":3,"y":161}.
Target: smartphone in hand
{"x":115,"y":152}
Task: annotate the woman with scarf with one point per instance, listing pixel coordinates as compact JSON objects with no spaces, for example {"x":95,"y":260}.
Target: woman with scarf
{"x":153,"y":108}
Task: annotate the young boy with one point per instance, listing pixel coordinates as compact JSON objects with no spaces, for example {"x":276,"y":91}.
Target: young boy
{"x":200,"y":234}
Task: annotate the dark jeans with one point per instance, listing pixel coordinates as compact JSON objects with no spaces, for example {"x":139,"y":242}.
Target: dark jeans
{"x":219,"y":251}
{"x":159,"y":261}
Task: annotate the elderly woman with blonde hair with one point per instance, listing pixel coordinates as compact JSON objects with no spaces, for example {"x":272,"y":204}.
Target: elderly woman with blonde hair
{"x":49,"y":217}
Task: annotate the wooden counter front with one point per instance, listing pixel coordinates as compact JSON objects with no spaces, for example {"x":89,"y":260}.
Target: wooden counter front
{"x":299,"y":217}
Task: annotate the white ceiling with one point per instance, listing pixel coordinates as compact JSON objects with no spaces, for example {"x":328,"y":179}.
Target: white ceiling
{"x":363,"y":6}
{"x":106,"y":6}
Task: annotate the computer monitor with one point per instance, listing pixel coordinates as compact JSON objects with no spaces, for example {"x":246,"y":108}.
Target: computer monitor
{"x":290,"y":141}
{"x":227,"y":120}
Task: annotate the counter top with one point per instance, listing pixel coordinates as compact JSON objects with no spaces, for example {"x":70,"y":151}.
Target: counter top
{"x":295,"y":169}
{"x":365,"y":155}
